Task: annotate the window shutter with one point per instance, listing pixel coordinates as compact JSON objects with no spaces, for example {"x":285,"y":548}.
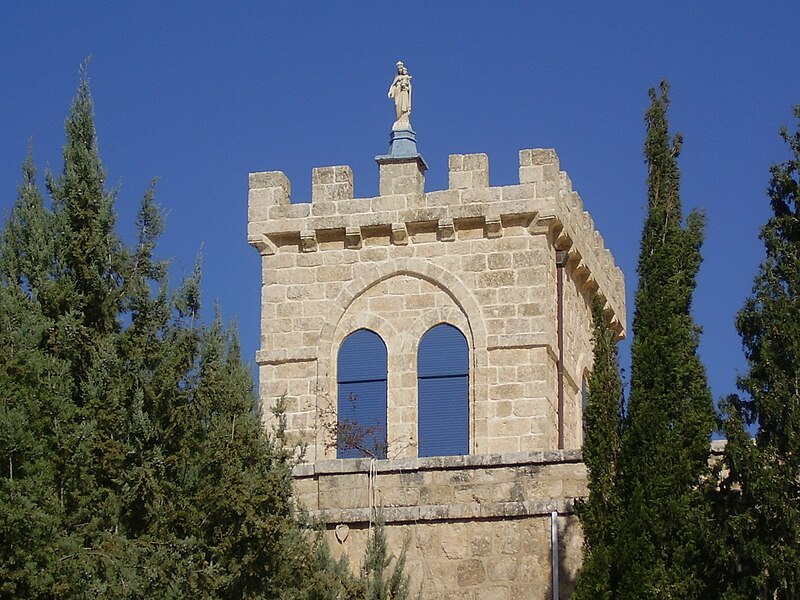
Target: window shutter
{"x":443,"y":390}
{"x":361,"y":396}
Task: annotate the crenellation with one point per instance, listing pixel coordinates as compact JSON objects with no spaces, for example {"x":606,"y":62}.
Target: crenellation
{"x":538,"y":165}
{"x":566,"y":185}
{"x":331,"y":183}
{"x":468,"y":171}
{"x":272,"y":180}
{"x":544,"y":157}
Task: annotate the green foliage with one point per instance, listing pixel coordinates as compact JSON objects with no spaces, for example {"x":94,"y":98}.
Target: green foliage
{"x":603,"y":428}
{"x":759,"y":504}
{"x":660,"y":521}
{"x":132,"y":464}
{"x":378,"y":584}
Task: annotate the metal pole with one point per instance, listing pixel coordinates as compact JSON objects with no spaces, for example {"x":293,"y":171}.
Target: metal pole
{"x":554,"y":551}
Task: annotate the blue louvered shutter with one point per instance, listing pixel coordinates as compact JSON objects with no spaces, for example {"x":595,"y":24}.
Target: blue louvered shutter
{"x":443,"y":386}
{"x":361,"y":396}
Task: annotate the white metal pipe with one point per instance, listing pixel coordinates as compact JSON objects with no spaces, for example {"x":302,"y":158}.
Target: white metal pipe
{"x":554,"y":551}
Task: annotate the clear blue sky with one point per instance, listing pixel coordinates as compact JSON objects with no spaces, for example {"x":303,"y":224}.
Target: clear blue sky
{"x":199,"y":94}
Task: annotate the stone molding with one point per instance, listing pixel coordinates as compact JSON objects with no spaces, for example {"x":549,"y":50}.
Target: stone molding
{"x":444,"y":512}
{"x":435,"y":463}
{"x":451,"y":511}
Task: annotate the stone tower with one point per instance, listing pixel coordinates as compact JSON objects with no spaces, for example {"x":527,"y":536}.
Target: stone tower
{"x":512,"y":269}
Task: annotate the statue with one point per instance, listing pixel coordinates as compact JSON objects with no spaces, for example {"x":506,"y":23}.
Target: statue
{"x":400,"y":91}
{"x":403,"y":141}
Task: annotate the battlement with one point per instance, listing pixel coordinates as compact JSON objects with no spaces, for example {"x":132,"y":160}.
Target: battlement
{"x":543,"y":202}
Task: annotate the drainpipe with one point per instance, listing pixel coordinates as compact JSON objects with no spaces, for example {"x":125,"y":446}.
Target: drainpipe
{"x":554,"y":552}
{"x":561,"y":261}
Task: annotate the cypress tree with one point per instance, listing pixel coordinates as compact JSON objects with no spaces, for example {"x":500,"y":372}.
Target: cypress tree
{"x":132,"y":463}
{"x":662,"y":525}
{"x":760,"y":497}
{"x":603,"y":427}
{"x":378,"y":583}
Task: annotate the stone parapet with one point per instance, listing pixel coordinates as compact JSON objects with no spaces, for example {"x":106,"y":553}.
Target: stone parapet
{"x":543,"y":200}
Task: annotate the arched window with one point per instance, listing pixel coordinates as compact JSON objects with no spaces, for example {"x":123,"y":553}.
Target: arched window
{"x":443,"y":385}
{"x":361,"y":393}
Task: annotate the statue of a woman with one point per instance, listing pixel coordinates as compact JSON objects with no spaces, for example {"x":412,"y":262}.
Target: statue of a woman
{"x":400,"y":90}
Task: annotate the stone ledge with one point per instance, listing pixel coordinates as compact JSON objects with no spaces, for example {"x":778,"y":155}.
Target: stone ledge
{"x":544,"y":339}
{"x":276,"y":356}
{"x":404,"y":465}
{"x":445,"y":512}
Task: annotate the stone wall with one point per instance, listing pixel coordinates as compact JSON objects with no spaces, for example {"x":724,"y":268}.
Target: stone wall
{"x":478,"y":257}
{"x":473,"y":527}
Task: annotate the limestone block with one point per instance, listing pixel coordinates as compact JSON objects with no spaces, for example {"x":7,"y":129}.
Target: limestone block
{"x":348,"y":206}
{"x":401,"y":177}
{"x":290,"y":211}
{"x":473,"y":262}
{"x":266,"y":190}
{"x":470,"y":572}
{"x":468,"y":170}
{"x":524,"y":191}
{"x":496,"y":279}
{"x":460,"y":180}
{"x":443,"y":198}
{"x":383,"y":204}
{"x":531,"y":175}
{"x":455,"y":162}
{"x":546,"y":188}
{"x":406,"y":185}
{"x":499,"y":260}
{"x":271,"y":180}
{"x":538,"y":156}
{"x":477,"y":196}
{"x":323,"y":209}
